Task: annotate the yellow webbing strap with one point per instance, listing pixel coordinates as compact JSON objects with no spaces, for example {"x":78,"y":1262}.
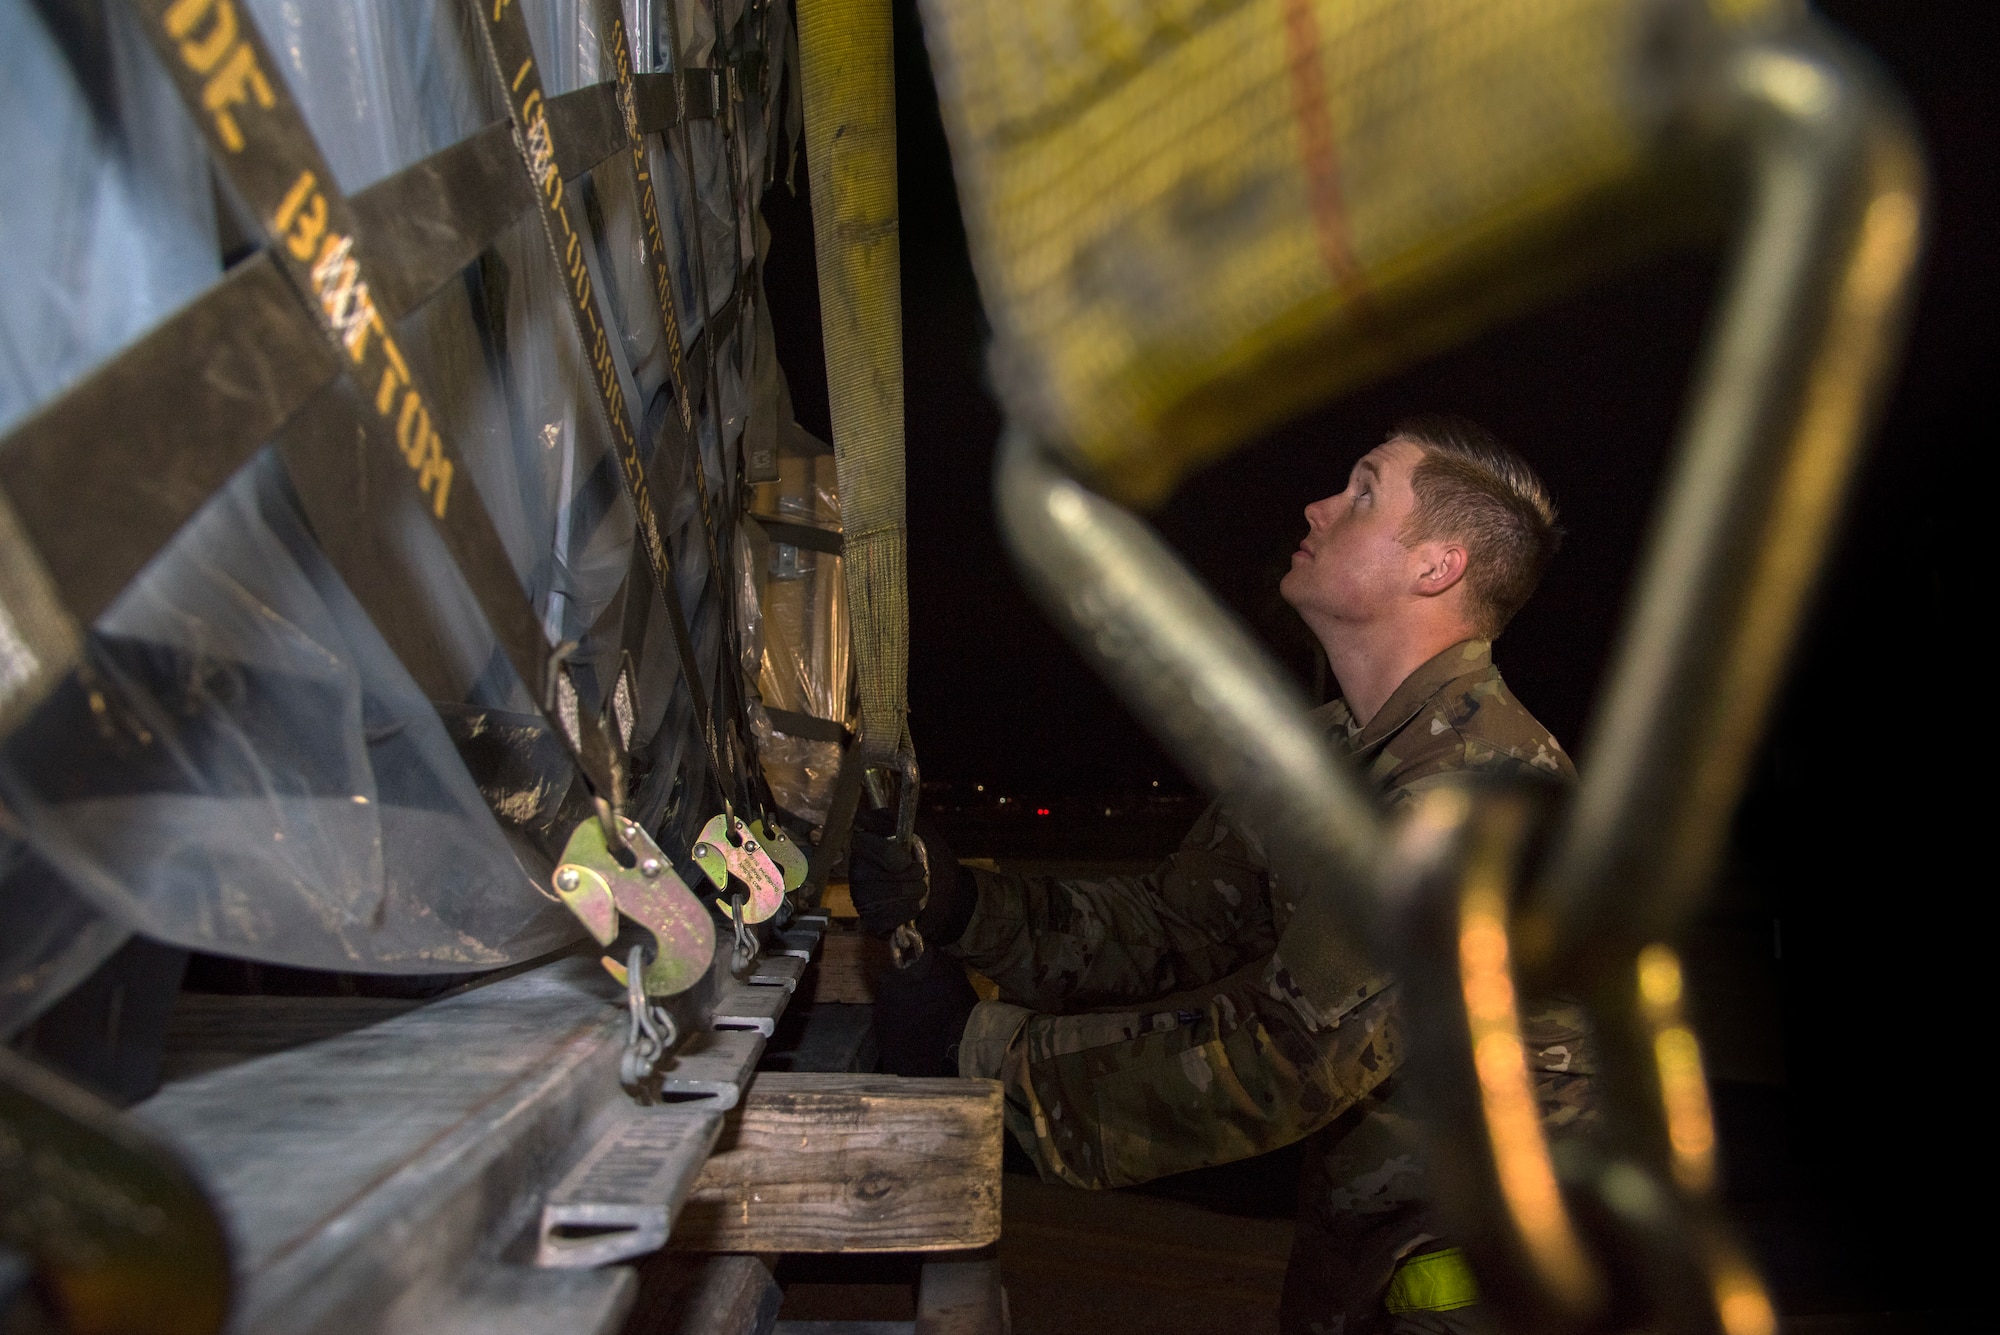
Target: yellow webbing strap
{"x":1434,"y":1282}
{"x":1190,"y":220}
{"x":846,"y":68}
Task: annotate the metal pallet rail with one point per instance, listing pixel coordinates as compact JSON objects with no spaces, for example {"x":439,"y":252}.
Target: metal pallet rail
{"x":463,"y":1156}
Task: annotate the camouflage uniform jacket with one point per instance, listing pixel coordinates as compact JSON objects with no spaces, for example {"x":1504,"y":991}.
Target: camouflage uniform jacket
{"x":1146,"y":1024}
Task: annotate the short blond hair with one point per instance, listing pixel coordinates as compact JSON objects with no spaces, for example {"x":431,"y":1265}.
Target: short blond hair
{"x":1472,"y":489}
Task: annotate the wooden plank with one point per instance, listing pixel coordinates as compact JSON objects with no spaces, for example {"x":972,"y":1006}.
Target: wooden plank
{"x":851,"y":1163}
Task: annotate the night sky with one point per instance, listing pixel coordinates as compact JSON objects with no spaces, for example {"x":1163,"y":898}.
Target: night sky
{"x":1854,"y":844}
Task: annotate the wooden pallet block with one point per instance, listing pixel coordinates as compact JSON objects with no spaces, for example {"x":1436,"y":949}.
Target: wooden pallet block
{"x":822,"y":1162}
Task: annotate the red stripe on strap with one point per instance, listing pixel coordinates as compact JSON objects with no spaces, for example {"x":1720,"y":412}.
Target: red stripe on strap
{"x":1319,"y":153}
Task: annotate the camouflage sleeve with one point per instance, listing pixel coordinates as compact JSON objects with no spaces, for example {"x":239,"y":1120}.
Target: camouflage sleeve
{"x":1068,"y":944}
{"x":1110,"y":1099}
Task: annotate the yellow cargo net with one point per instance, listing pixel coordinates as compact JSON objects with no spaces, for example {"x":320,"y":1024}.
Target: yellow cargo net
{"x":1191,"y":220}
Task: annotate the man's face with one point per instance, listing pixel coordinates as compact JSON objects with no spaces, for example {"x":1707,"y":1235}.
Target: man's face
{"x":1352,"y":565}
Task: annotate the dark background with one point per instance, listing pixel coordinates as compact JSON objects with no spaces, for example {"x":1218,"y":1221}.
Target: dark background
{"x":1851,"y":1147}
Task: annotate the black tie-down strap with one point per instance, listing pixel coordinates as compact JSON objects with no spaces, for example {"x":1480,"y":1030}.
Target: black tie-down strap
{"x":512,"y":59}
{"x":246,"y":360}
{"x":250,"y":360}
{"x":708,"y":98}
{"x":224,"y":374}
{"x":261,"y":143}
{"x":64,"y":557}
{"x":696,"y":99}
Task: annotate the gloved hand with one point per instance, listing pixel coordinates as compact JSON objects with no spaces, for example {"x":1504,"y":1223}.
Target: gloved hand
{"x":920,"y":1015}
{"x":889,"y":885}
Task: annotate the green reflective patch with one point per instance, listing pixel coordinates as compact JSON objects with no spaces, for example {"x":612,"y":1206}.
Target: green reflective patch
{"x":1433,"y":1282}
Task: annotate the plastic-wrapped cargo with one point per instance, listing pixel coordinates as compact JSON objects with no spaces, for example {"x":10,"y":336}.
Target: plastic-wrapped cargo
{"x":243,"y":764}
{"x":805,"y":666}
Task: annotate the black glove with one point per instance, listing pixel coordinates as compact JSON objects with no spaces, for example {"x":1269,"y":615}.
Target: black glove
{"x":888,"y":884}
{"x":920,"y":1015}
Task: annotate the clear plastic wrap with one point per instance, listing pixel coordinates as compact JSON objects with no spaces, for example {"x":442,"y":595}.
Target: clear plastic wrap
{"x":697,"y":31}
{"x":109,"y":223}
{"x":749,"y":610}
{"x":53,"y":939}
{"x":648,"y":34}
{"x":567,"y":51}
{"x":248,"y":768}
{"x":714,"y":207}
{"x":733,"y":406}
{"x":618,"y":259}
{"x":806,"y":666}
{"x":109,"y":226}
{"x":383,"y":83}
{"x":244,"y":765}
{"x":770,"y":400}
{"x":677,"y":226}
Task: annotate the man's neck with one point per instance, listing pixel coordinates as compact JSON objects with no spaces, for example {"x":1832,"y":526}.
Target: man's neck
{"x":1370,"y":664}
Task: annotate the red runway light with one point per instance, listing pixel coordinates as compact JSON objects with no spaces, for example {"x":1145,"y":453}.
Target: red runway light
{"x":1041,"y":811}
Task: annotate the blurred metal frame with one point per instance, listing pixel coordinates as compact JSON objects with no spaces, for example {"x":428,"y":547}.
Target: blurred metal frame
{"x":1622,"y":1233}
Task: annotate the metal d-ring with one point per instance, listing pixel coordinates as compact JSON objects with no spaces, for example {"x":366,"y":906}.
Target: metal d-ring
{"x":1795,"y":362}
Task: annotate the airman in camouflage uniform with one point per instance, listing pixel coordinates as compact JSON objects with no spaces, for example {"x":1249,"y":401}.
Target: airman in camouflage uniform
{"x":1150,"y":1024}
{"x":1146,"y":1025}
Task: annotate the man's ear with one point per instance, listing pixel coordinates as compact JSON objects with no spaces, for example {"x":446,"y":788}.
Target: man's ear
{"x":1439,"y":568}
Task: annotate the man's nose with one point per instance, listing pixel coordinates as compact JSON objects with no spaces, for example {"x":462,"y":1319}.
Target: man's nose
{"x":1316,"y":513}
